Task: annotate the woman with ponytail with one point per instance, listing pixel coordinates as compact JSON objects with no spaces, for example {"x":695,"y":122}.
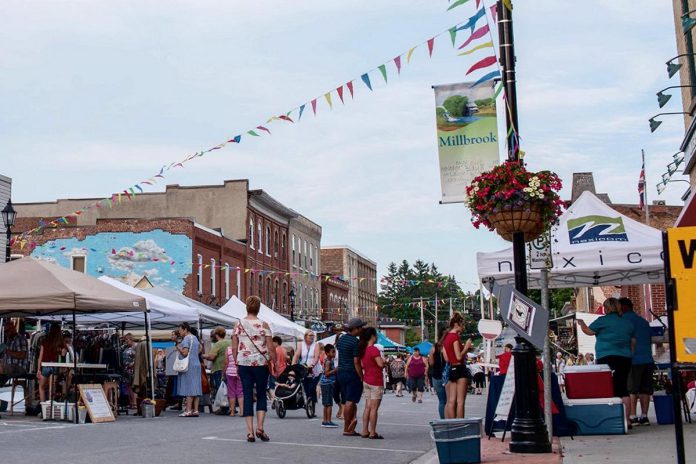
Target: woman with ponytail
{"x":458,"y":375}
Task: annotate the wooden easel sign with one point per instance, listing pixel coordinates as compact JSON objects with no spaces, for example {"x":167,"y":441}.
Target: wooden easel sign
{"x":98,"y":407}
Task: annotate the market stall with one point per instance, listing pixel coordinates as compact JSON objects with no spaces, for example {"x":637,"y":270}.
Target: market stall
{"x":206,"y":313}
{"x":31,"y":288}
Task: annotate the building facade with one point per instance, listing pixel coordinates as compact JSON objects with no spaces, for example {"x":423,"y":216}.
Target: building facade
{"x":334,"y":299}
{"x":361,"y":275}
{"x":5,"y":194}
{"x":305,"y":264}
{"x":251,"y":217}
{"x":172,"y":252}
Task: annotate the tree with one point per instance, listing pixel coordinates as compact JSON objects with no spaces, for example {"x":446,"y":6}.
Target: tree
{"x":484,"y":102}
{"x":456,"y":105}
{"x":557,"y":298}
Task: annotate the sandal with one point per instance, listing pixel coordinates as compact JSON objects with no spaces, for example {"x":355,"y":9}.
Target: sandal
{"x":351,"y":434}
{"x":365,"y":435}
{"x":185,"y":414}
{"x":376,"y":437}
{"x":262,"y":435}
{"x":250,"y":438}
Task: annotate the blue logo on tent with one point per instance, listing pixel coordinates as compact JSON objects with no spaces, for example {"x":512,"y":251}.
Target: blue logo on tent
{"x":596,"y":229}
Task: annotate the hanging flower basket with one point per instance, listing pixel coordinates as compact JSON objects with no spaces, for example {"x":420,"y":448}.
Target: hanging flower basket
{"x":510,"y":199}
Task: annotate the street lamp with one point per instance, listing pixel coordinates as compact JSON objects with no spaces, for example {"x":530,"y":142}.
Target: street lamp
{"x":654,"y":124}
{"x":673,"y":68}
{"x":9,"y":215}
{"x":292,"y":304}
{"x":663,"y":98}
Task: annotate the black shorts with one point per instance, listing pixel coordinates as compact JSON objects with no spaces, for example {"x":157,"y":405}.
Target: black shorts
{"x":621,"y":367}
{"x":640,"y":379}
{"x":417,"y":383}
{"x":480,"y":380}
{"x":458,"y":371}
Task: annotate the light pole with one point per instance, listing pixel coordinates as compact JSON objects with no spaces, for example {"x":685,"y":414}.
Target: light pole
{"x":528,"y":434}
{"x":9,"y":215}
{"x":292,"y":304}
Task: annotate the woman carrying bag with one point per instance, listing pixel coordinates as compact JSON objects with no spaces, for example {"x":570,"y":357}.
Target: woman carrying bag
{"x":188,"y":366}
{"x":251,"y":341}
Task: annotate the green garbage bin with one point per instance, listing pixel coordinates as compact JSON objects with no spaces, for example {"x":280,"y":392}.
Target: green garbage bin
{"x":458,"y":440}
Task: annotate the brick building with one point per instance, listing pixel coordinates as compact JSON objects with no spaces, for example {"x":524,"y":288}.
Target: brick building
{"x":250,"y":217}
{"x":305,"y":261}
{"x":334,"y":299}
{"x":177,"y":253}
{"x":361,"y":274}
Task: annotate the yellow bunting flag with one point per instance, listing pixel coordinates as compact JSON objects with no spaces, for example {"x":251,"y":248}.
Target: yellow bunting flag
{"x":478,"y":47}
{"x":327,"y":95}
{"x":409,"y":54}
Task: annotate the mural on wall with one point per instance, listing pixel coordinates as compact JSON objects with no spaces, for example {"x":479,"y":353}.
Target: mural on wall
{"x":164,"y":258}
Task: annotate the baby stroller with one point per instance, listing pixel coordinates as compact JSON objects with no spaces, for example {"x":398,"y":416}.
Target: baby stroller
{"x":292,"y":396}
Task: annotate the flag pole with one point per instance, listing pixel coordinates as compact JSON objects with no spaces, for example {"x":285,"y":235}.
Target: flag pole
{"x":645,"y":191}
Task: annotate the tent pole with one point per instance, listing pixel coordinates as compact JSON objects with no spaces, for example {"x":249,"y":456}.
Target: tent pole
{"x":75,"y":388}
{"x":150,"y":373}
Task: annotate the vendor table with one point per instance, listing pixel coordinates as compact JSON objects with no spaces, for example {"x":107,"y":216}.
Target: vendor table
{"x":67,"y":365}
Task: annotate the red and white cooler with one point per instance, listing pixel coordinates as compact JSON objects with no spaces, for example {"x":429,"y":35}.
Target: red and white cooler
{"x":585,"y":382}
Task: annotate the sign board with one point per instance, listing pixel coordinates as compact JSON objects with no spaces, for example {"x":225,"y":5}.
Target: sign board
{"x":467,"y":135}
{"x":98,"y":406}
{"x":528,"y":319}
{"x":490,"y":329}
{"x":507,"y":394}
{"x":682,"y":261}
{"x":539,"y":252}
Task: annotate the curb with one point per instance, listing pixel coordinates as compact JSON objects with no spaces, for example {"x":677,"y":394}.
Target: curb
{"x":428,"y":458}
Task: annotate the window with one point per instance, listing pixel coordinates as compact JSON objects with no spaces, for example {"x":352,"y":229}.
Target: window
{"x":269,"y":288}
{"x":305,"y":254}
{"x":268,"y":240}
{"x":227,"y":281}
{"x":311,"y":258}
{"x":213,"y":279}
{"x":260,"y":231}
{"x":276,"y":294}
{"x":251,"y":233}
{"x":199,"y":287}
{"x":285,"y":294}
{"x":259,"y":291}
{"x":79,"y":263}
{"x":275,"y":244}
{"x":239,"y":283}
{"x":316,"y":259}
{"x":283,"y":257}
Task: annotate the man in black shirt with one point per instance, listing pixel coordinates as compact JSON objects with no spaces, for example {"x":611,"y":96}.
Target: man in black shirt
{"x":350,"y":376}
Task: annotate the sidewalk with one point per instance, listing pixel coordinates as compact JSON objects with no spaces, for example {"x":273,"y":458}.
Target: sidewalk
{"x":643,"y":444}
{"x":495,"y":451}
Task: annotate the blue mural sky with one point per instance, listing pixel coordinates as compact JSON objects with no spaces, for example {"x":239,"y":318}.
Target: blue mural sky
{"x":164,"y":258}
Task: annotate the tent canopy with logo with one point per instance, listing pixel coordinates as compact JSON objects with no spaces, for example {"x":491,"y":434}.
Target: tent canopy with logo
{"x":593,"y":245}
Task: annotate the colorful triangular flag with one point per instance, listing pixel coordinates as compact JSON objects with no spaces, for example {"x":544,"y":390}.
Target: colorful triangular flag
{"x":327,"y":96}
{"x":431,"y":44}
{"x":397,"y":62}
{"x":339,"y":91}
{"x":350,"y":88}
{"x":383,"y":69}
{"x":484,"y":63}
{"x":366,"y":79}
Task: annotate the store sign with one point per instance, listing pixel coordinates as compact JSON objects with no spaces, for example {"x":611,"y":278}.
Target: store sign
{"x":682,"y":260}
{"x":539,"y":252}
{"x":467,"y":136}
{"x":528,"y":319}
{"x":490,"y":329}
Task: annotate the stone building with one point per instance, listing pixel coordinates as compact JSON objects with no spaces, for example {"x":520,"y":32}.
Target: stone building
{"x":251,"y":217}
{"x":361,"y":275}
{"x":177,"y":253}
{"x":305,"y":261}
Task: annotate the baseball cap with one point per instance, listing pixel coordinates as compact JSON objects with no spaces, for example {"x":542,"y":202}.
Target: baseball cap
{"x":355,"y":323}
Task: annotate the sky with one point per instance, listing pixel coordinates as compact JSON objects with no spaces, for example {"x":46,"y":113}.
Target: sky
{"x":98,"y":95}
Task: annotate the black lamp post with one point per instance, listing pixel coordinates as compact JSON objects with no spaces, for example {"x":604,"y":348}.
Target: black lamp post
{"x":292,"y":304}
{"x":528,"y":432}
{"x":9,"y":215}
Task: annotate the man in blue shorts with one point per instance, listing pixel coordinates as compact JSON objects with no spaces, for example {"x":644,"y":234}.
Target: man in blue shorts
{"x":350,"y":374}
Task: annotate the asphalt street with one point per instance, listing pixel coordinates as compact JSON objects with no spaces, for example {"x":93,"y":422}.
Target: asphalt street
{"x":210,"y":438}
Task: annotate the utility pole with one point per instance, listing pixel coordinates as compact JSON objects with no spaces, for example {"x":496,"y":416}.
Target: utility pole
{"x":450,"y":309}
{"x":436,"y":332}
{"x":528,"y":433}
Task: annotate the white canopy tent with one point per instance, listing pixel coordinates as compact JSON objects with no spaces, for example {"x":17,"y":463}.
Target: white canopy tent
{"x":205,"y":312}
{"x":279,"y":324}
{"x":593,"y":245}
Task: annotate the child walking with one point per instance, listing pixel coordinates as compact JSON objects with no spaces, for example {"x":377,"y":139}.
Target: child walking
{"x":327,"y":382}
{"x":234,"y":383}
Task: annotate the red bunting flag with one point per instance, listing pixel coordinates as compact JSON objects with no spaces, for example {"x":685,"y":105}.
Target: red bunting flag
{"x":314,"y":106}
{"x":339,"y":91}
{"x":476,"y":35}
{"x":263,"y":129}
{"x":286,"y":118}
{"x":484,"y":63}
{"x":350,"y":88}
{"x":397,"y":62}
{"x":431,"y":44}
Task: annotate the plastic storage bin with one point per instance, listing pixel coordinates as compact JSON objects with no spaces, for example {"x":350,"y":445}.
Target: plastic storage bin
{"x":663,"y":409}
{"x":583,"y":382}
{"x":597,"y":416}
{"x":55,"y":412}
{"x":458,"y":440}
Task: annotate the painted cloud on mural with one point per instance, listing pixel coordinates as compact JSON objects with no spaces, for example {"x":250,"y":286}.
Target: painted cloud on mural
{"x":143,"y":251}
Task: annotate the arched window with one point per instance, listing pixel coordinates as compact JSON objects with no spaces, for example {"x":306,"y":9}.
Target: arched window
{"x":213,"y":280}
{"x":268,"y":240}
{"x":260,"y":232}
{"x":199,"y":287}
{"x":269,"y":288}
{"x":275,"y":244}
{"x":283,"y":256}
{"x":251,"y":233}
{"x":285,"y":295}
{"x":226,"y":266}
{"x":259,"y":290}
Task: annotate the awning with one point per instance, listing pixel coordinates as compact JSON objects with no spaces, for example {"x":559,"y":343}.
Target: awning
{"x":279,"y":324}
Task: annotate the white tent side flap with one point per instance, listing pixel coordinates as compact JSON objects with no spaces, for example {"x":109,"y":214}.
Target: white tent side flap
{"x":279,"y":324}
{"x":593,"y":245}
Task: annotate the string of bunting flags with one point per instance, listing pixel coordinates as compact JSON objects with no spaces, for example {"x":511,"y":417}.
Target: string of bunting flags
{"x":294,"y":115}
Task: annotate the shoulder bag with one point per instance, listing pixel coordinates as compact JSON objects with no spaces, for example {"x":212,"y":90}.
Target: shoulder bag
{"x":182,"y":364}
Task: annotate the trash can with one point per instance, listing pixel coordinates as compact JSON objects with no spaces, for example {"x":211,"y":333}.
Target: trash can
{"x":148,"y":410}
{"x":664,"y":410}
{"x":458,"y":440}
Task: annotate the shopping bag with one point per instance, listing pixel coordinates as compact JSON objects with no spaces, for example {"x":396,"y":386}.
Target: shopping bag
{"x":221,"y":400}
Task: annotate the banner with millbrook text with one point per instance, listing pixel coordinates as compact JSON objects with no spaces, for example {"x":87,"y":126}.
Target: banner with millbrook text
{"x":467,"y":136}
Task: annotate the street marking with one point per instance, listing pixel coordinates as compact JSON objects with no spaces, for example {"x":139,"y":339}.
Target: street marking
{"x":362,"y":448}
{"x":48,"y":427}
